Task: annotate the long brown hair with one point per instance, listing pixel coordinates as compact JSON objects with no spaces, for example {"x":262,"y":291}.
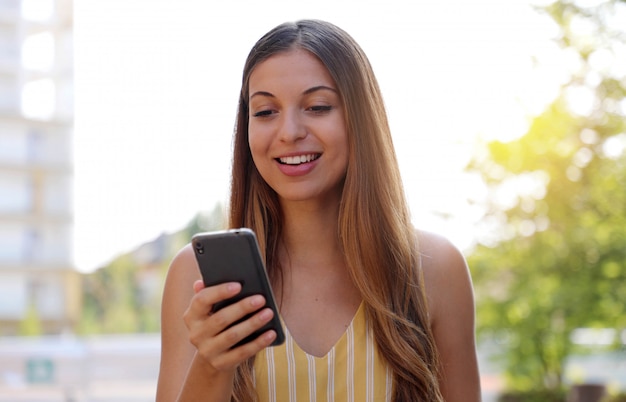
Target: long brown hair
{"x":374,"y":227}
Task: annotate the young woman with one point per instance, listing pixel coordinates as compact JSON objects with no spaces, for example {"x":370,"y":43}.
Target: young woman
{"x":374,"y":310}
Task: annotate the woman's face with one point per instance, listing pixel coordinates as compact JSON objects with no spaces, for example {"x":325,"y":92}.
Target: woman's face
{"x":297,"y":130}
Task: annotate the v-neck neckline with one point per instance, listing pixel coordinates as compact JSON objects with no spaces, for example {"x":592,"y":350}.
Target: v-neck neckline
{"x":340,"y":340}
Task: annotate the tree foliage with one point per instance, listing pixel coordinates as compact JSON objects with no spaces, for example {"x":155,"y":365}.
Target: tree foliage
{"x":556,"y":257}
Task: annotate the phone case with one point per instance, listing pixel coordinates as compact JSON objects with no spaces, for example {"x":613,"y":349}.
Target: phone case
{"x":233,"y":256}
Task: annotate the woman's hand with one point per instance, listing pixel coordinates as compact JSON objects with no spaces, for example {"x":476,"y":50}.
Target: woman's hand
{"x":197,"y":362}
{"x":211,"y":332}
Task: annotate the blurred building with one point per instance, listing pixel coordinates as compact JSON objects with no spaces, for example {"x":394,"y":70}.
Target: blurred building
{"x":37,"y":279}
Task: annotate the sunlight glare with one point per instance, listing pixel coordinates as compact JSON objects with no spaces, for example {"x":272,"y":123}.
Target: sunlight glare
{"x":38,"y":52}
{"x":38,"y":99}
{"x":37,"y":10}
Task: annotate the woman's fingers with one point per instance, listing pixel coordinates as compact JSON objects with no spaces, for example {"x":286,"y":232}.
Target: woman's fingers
{"x":198,"y":286}
{"x":215,"y":333}
{"x":204,"y":299}
{"x":236,"y":333}
{"x":218,"y":323}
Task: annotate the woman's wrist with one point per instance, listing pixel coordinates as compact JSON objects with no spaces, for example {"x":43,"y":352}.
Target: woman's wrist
{"x":205,"y":382}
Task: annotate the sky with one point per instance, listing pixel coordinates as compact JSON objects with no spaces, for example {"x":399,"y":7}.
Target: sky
{"x":156,"y":89}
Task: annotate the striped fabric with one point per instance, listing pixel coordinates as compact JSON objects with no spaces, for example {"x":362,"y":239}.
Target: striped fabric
{"x":351,"y":372}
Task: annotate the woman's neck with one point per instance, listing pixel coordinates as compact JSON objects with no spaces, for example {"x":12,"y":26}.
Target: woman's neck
{"x":310,"y":234}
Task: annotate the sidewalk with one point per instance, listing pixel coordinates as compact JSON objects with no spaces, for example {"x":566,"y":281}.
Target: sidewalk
{"x":124,"y":368}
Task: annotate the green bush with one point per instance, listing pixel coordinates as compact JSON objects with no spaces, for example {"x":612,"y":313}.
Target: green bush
{"x":621,"y":397}
{"x":533,"y":396}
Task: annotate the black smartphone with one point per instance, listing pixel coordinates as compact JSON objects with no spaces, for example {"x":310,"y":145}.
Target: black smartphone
{"x":233,"y":256}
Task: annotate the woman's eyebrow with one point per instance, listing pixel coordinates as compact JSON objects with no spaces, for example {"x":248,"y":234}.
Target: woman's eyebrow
{"x":306,"y":92}
{"x":262,"y":93}
{"x":319,"y":88}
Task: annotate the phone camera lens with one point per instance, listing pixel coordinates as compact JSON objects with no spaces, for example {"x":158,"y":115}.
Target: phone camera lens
{"x":199,"y":248}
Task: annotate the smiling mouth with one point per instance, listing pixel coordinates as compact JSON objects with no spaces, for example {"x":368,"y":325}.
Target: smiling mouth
{"x":298,"y":160}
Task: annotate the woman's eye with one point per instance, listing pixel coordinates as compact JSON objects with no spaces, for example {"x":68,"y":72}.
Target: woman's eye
{"x":321,"y":108}
{"x":263,"y":113}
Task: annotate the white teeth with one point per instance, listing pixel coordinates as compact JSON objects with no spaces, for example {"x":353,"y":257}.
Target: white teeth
{"x":296,"y":160}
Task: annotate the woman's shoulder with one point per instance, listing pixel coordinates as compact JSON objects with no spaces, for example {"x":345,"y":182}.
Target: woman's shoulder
{"x":451,"y":313}
{"x":438,"y":253}
{"x":447,"y":278}
{"x":184,"y":266}
{"x":184,"y":255}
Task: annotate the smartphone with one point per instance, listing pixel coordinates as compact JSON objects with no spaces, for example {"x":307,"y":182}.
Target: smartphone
{"x":233,"y":256}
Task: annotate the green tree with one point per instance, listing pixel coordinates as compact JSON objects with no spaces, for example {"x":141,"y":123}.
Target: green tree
{"x":556,"y":206}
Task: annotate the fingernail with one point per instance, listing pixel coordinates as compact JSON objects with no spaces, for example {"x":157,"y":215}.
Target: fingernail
{"x":257,"y":301}
{"x":234,"y":287}
{"x":270,"y":336}
{"x":265,"y":315}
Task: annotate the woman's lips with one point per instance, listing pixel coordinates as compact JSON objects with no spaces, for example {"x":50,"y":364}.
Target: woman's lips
{"x":297,"y":165}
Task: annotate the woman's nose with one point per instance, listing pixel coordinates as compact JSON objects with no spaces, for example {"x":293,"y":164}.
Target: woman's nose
{"x":292,"y":126}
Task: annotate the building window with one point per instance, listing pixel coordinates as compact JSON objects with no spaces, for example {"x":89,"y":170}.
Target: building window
{"x":57,"y":195}
{"x":38,"y":99}
{"x":37,"y":10}
{"x":13,"y":147}
{"x":16,"y":193}
{"x":38,"y":52}
{"x":9,"y":94}
{"x":34,"y":146}
{"x":11,"y":238}
{"x":14,"y":293}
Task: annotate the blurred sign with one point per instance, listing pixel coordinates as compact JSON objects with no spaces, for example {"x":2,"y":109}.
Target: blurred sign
{"x":39,"y":370}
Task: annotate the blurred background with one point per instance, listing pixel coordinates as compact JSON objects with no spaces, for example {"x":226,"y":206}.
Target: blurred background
{"x":509,"y":120}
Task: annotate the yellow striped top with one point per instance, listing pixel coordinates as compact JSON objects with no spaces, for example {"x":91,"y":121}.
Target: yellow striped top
{"x":352,"y":371}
